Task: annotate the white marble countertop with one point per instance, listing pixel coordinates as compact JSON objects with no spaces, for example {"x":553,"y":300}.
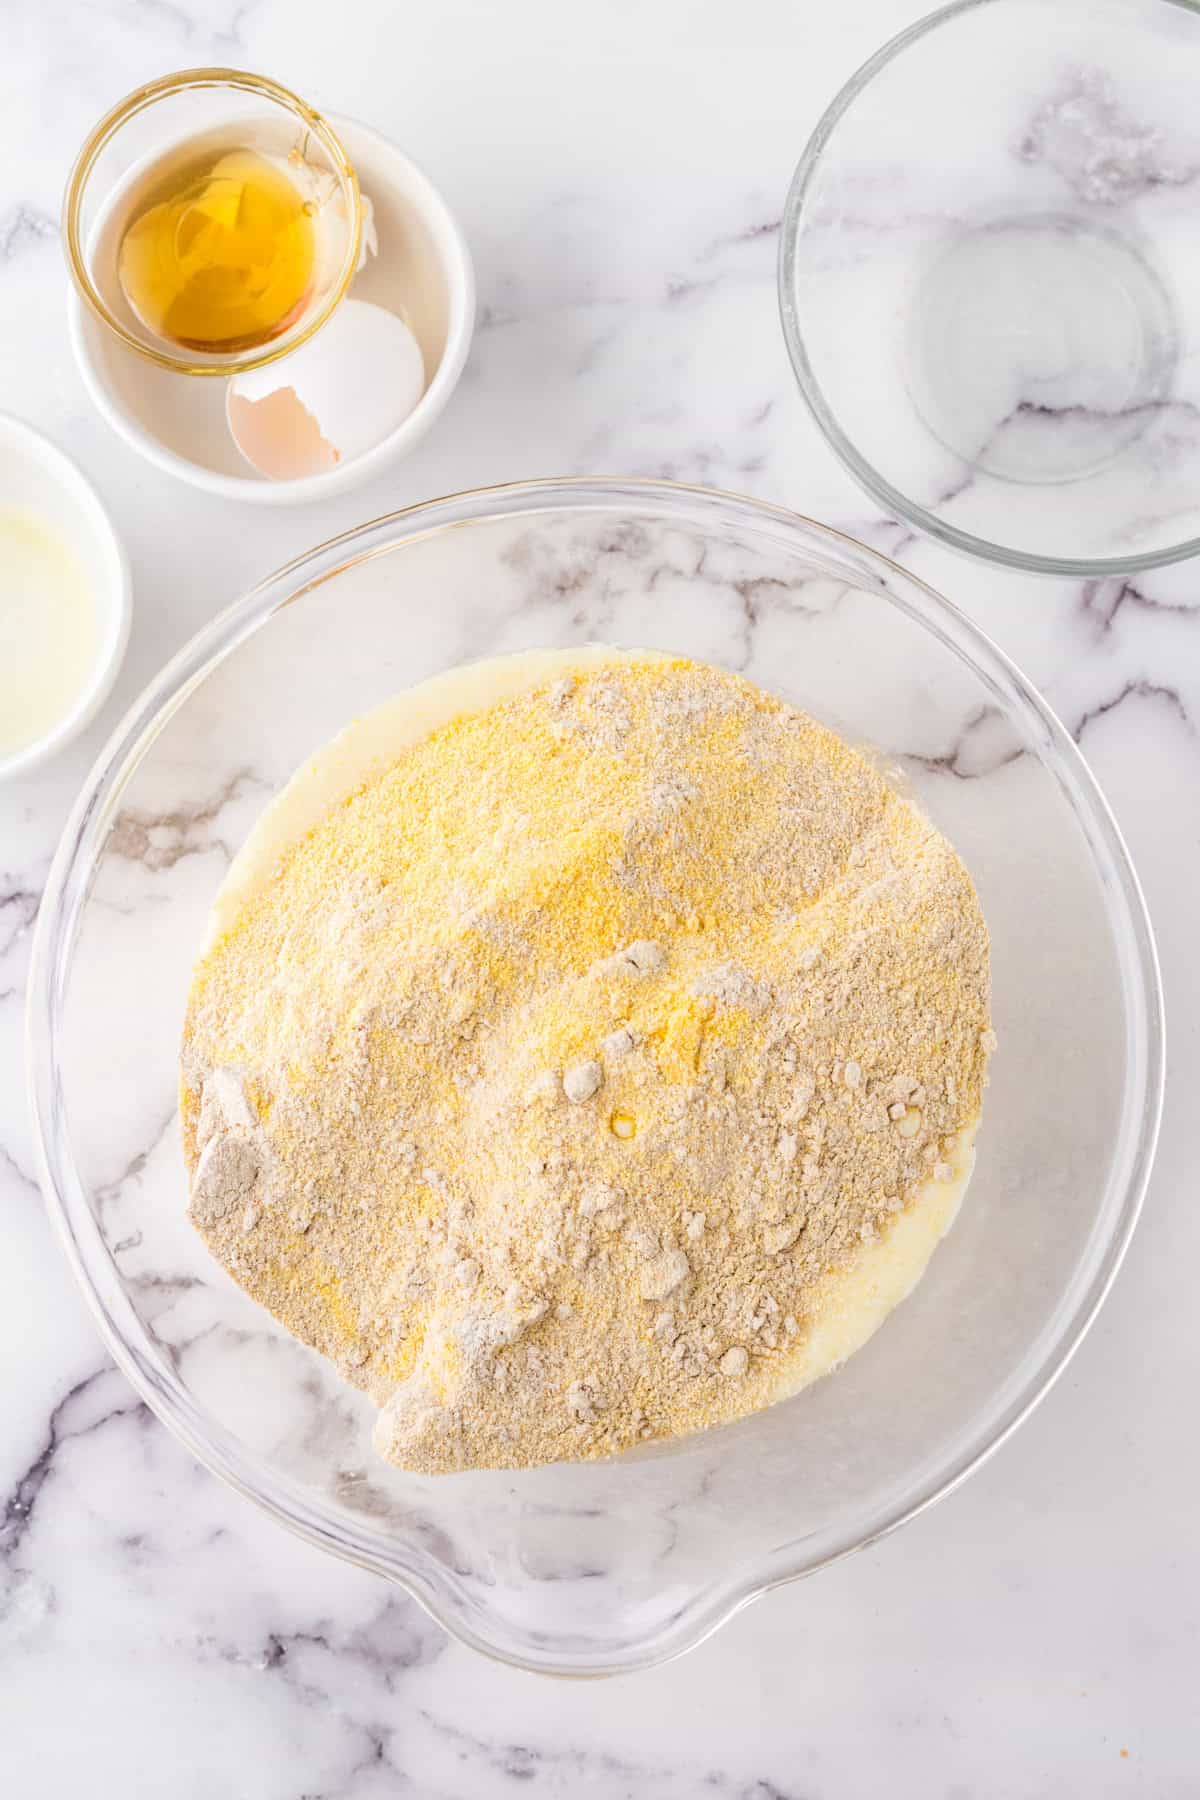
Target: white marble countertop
{"x":620,"y":175}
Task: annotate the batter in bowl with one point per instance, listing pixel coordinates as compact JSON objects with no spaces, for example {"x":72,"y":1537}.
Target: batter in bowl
{"x":588,"y":1049}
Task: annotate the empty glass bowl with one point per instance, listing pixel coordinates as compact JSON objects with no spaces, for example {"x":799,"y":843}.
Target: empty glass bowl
{"x":990,"y":280}
{"x":594,"y":1568}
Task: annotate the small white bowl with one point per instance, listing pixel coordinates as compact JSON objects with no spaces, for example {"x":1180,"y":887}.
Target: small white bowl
{"x":423,"y":270}
{"x":36,"y":475}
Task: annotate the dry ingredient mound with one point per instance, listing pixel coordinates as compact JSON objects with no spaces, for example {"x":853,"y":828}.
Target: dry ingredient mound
{"x":557,"y":1075}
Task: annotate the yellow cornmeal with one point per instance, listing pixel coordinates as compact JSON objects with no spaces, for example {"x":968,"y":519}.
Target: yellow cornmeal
{"x":600,"y":1063}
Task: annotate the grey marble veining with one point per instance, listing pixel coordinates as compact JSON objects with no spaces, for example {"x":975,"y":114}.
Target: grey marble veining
{"x":1036,"y":1634}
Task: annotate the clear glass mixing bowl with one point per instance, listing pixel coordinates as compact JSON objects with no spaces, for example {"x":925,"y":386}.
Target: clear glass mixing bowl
{"x":988,"y":280}
{"x":595,"y":1568}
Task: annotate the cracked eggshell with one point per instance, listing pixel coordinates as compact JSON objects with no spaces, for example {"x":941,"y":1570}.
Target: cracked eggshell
{"x":333,"y":399}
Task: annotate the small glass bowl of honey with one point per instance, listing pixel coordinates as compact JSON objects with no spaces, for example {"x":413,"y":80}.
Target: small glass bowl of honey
{"x":213,"y":221}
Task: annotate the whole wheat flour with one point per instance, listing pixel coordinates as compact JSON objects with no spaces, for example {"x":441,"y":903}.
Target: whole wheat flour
{"x":558,"y":1076}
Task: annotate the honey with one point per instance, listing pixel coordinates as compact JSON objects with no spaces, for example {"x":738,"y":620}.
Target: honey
{"x":220,"y":252}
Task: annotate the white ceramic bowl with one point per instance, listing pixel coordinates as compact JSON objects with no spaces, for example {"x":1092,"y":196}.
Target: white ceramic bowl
{"x":37,"y":475}
{"x":423,"y":269}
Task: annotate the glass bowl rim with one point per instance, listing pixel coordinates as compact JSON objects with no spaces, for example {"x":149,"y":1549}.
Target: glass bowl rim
{"x":441,"y":1593}
{"x":107,"y":128}
{"x":889,"y":496}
